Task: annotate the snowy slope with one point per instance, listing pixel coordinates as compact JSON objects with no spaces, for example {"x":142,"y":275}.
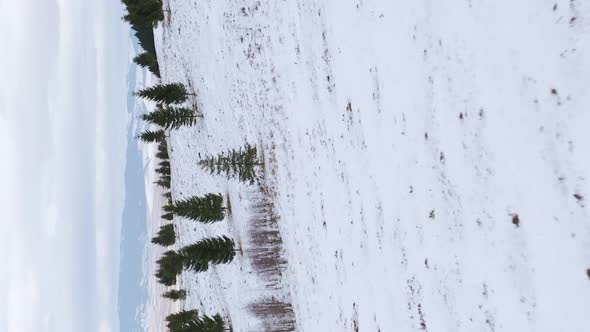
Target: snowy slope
{"x":400,"y":139}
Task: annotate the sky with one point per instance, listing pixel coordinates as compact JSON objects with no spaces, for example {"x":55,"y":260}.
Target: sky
{"x":63,"y":137}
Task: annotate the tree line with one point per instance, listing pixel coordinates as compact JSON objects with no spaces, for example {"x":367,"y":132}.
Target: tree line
{"x":144,"y":15}
{"x":242,"y":164}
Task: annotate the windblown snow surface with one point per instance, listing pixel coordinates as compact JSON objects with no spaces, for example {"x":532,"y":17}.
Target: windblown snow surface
{"x":426,"y":162}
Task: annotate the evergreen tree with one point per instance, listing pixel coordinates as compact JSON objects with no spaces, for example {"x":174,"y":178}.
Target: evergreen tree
{"x":164,"y":163}
{"x":205,"y":209}
{"x":162,"y":155}
{"x":149,"y":136}
{"x":167,"y":216}
{"x":196,"y":257}
{"x":163,"y":170}
{"x":179,"y":322}
{"x":189,"y":321}
{"x":164,"y":183}
{"x":148,"y":60}
{"x":175,"y":295}
{"x":207,"y":324}
{"x":169,"y":117}
{"x":170,"y":265}
{"x":166,"y":236}
{"x":173,"y":93}
{"x":163,"y":151}
{"x":144,"y":12}
{"x":215,"y":250}
{"x":166,"y":178}
{"x":235,"y":163}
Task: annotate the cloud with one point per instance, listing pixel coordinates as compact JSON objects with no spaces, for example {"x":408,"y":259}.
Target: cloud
{"x":62,"y":140}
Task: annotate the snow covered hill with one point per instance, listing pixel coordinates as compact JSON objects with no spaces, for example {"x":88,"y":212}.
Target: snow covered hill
{"x":426,"y":162}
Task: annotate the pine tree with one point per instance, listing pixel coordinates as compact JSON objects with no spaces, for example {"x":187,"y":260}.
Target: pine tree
{"x":215,"y":250}
{"x":179,"y":322}
{"x":144,"y":12}
{"x":235,"y":163}
{"x":207,"y":324}
{"x":175,"y":295}
{"x":205,"y":209}
{"x":148,"y":60}
{"x":166,"y":236}
{"x":169,"y":117}
{"x":166,"y":184}
{"x":163,"y":170}
{"x":149,"y":136}
{"x":162,"y":155}
{"x":167,"y":216}
{"x":173,"y":93}
{"x":163,"y":151}
{"x":170,"y":265}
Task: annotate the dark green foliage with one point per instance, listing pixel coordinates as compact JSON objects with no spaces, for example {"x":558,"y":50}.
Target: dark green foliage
{"x":196,"y":257}
{"x":149,"y":136}
{"x":166,"y":178}
{"x":209,"y":324}
{"x":143,"y":16}
{"x":169,"y":266}
{"x":170,"y":117}
{"x":189,"y":321}
{"x":167,"y":196}
{"x":145,"y":38}
{"x":164,"y":163}
{"x":166,"y":184}
{"x":163,"y":170}
{"x":168,"y":208}
{"x":166,"y":236}
{"x":173,"y":93}
{"x":179,"y":321}
{"x":144,"y":59}
{"x":149,"y":61}
{"x":205,"y":209}
{"x":143,"y":12}
{"x":215,"y":250}
{"x":162,"y":155}
{"x":235,"y":163}
{"x":204,"y":324}
{"x":163,"y":151}
{"x":175,"y":295}
{"x":167,"y":216}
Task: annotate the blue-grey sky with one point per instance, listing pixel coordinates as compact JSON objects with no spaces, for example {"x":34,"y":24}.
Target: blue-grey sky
{"x":63,"y":124}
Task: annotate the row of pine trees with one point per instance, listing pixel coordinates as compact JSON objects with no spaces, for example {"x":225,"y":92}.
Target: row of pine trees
{"x":144,"y":15}
{"x":172,"y":113}
{"x":198,"y":257}
{"x":209,"y":208}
